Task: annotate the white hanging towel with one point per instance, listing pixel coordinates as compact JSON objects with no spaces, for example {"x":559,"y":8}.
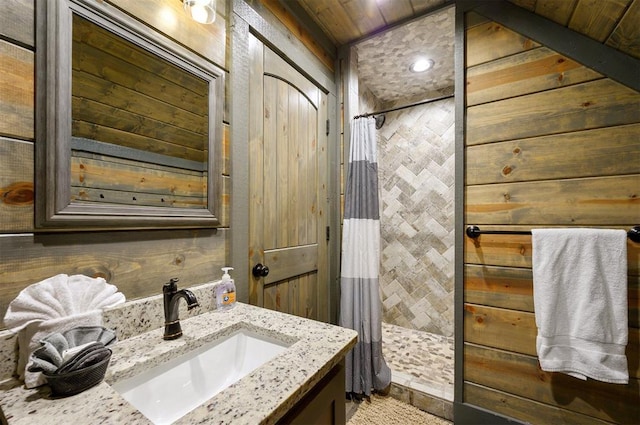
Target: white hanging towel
{"x":580,"y":300}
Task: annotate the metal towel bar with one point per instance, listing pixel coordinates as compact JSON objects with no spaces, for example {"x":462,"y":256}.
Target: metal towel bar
{"x":474,"y":231}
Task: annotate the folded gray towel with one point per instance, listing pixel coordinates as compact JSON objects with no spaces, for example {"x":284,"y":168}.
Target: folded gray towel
{"x":50,"y":356}
{"x":83,"y":334}
{"x":91,"y":354}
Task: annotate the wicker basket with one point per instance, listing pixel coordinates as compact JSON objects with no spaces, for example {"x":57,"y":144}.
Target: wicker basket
{"x":79,"y":380}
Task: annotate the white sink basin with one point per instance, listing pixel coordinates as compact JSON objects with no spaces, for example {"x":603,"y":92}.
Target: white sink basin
{"x":169,"y":391}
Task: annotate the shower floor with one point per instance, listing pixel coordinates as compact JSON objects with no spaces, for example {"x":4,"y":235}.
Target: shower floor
{"x":422,"y":368}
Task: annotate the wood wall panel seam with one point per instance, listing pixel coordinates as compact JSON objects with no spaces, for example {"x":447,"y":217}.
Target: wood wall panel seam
{"x":593,"y":104}
{"x":532,"y":85}
{"x":16,"y":22}
{"x":516,"y":331}
{"x":526,"y":66}
{"x":17,"y":90}
{"x":552,"y":157}
{"x":520,"y":374}
{"x":585,"y":201}
{"x":524,"y":408}
{"x":16,"y":185}
{"x":512,"y":288}
{"x":515,"y":251}
{"x":504,"y":42}
{"x":510,"y":330}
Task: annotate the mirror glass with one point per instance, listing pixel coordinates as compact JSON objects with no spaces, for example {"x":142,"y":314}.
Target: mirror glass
{"x":131,"y":123}
{"x":139,"y":124}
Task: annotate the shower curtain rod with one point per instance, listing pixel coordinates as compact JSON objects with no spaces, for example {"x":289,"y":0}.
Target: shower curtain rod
{"x":369,"y":114}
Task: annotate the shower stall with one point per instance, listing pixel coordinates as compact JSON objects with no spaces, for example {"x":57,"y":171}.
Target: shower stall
{"x":416,"y":162}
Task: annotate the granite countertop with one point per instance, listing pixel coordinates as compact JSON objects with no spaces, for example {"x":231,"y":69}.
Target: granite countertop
{"x":262,"y":397}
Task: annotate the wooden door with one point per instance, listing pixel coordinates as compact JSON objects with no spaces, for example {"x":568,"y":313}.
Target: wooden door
{"x":287,"y":188}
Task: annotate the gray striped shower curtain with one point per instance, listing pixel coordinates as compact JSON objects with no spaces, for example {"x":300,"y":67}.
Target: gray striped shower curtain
{"x":360,"y":305}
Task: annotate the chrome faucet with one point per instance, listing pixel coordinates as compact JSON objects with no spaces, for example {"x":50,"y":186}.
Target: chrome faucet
{"x":172,"y":329}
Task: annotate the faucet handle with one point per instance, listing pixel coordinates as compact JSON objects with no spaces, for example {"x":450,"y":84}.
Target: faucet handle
{"x":172,"y":285}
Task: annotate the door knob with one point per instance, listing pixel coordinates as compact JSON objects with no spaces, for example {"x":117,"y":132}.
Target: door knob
{"x":260,"y":270}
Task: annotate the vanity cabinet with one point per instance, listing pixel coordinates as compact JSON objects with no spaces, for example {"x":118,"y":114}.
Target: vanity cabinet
{"x":311,"y":371}
{"x":324,"y":404}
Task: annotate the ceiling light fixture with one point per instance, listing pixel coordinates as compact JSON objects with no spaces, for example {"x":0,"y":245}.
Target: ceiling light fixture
{"x":203,"y":11}
{"x":422,"y":65}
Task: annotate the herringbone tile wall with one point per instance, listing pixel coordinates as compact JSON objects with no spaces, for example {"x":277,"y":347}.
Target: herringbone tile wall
{"x":416,"y":172}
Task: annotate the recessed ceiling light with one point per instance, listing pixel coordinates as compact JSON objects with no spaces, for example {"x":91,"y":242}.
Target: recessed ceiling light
{"x":421,"y":65}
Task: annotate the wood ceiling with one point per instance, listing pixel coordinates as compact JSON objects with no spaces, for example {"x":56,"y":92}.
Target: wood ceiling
{"x":615,"y":23}
{"x":363,"y":23}
{"x":347,"y":20}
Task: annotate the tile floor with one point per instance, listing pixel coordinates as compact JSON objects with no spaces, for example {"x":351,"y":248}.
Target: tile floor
{"x":422,"y":368}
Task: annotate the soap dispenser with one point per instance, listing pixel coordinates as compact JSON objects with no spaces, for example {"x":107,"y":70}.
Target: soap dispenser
{"x":226,"y":291}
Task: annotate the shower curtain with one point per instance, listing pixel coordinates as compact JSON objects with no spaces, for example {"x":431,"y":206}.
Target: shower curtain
{"x":360,"y":305}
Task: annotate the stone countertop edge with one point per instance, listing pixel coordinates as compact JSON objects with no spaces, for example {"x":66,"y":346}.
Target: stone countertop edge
{"x":262,"y":397}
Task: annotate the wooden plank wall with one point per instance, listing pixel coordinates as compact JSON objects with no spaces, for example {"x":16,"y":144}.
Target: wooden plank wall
{"x":138,"y":262}
{"x":549,"y":142}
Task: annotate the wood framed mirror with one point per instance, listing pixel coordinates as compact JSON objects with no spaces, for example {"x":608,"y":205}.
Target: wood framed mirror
{"x":128,"y":123}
